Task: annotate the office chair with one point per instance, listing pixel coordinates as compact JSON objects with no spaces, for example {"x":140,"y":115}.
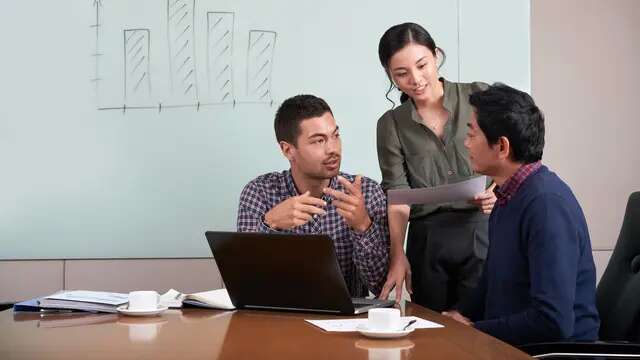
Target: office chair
{"x":617,"y":300}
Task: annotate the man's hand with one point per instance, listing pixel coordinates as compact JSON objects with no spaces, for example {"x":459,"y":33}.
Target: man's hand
{"x":399,"y":273}
{"x":455,"y":315}
{"x":294,"y":211}
{"x":350,"y":204}
{"x":485,"y":201}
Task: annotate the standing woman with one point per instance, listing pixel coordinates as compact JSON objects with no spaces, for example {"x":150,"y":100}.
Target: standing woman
{"x":420,"y":144}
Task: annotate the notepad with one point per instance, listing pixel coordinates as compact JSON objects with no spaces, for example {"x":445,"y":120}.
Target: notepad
{"x":213,"y":299}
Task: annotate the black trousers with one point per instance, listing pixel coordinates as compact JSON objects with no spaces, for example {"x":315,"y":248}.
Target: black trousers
{"x":446,"y":251}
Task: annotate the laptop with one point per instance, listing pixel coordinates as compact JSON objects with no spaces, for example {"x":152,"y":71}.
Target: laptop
{"x":289,"y":272}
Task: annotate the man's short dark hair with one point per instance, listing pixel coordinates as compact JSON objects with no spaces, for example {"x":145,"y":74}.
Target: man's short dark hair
{"x":293,"y":111}
{"x":504,"y":111}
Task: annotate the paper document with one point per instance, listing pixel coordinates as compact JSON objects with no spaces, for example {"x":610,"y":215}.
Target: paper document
{"x":98,"y":297}
{"x":85,"y":300}
{"x":347,"y":325}
{"x":464,"y":190}
{"x":172,"y":299}
{"x":214,"y":299}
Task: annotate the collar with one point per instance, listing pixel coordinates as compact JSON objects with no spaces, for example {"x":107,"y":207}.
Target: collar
{"x":293,"y":191}
{"x":450,"y":97}
{"x":505,"y":192}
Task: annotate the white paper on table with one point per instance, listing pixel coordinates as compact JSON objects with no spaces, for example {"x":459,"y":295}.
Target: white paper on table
{"x":347,"y":325}
{"x":464,"y":190}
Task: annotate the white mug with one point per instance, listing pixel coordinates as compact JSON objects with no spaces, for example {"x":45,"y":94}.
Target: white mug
{"x":143,"y":300}
{"x":384,"y":319}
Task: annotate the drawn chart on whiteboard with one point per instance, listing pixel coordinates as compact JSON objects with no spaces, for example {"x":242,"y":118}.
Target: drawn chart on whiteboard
{"x":155,"y":55}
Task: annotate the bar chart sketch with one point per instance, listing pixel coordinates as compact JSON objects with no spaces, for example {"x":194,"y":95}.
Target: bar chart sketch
{"x":259,"y":63}
{"x":180,"y":23}
{"x":190,"y":47}
{"x":136,"y":65}
{"x":220,"y":27}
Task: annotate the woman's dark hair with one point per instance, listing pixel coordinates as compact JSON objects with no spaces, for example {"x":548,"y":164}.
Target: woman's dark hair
{"x":504,"y":111}
{"x":396,"y":38}
{"x":293,"y":111}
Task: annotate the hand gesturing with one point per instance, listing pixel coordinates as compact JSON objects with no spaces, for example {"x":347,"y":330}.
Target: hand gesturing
{"x":350,"y":203}
{"x":294,"y":211}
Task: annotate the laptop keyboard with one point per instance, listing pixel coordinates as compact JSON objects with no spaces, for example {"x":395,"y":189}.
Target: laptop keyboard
{"x":360,"y":302}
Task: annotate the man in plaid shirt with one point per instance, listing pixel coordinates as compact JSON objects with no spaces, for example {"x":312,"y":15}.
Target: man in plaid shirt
{"x":314,"y":197}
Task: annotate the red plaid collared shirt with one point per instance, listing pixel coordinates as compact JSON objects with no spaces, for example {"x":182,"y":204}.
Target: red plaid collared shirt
{"x":505,"y":192}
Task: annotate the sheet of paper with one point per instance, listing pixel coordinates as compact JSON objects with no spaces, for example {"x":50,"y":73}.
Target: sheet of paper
{"x":172,"y":298}
{"x":347,"y":325}
{"x":464,"y":190}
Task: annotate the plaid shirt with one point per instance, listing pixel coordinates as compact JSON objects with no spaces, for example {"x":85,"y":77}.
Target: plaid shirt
{"x":363,"y":258}
{"x":505,"y":192}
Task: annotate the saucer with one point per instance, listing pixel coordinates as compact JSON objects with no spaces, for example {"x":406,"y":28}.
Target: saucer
{"x":383,"y":334}
{"x":124,"y":309}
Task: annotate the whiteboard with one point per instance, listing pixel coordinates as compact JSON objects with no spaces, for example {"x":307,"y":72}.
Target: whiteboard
{"x":129,"y":127}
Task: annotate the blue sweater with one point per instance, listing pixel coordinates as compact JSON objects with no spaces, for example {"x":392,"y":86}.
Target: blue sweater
{"x":539,"y":279}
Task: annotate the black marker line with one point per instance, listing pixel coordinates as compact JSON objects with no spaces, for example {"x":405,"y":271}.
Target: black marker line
{"x":265,"y":49}
{"x":261,"y":68}
{"x":187,"y":76}
{"x":256,"y":41}
{"x":183,"y":63}
{"x":223,"y":51}
{"x":222,"y":72}
{"x":216,"y":23}
{"x":177,"y":11}
{"x":184,"y":31}
{"x":139,"y":81}
{"x":137,"y":65}
{"x":183,"y":16}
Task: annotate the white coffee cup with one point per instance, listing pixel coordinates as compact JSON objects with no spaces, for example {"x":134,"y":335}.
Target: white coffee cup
{"x":143,"y":300}
{"x":384,"y":319}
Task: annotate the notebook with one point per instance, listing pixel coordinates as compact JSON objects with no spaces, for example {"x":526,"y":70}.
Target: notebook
{"x":213,"y":299}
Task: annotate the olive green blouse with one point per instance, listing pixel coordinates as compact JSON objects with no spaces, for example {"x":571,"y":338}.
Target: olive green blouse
{"x":412,"y":156}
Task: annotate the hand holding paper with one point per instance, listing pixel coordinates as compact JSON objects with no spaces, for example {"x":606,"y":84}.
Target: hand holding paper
{"x":486,"y":200}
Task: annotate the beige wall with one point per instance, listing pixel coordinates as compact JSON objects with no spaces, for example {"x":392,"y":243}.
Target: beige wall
{"x":25,"y":279}
{"x":585,"y":76}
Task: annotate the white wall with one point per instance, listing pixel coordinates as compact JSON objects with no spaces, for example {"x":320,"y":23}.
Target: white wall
{"x":81,"y":181}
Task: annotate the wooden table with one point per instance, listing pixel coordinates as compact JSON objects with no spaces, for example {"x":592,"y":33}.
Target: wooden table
{"x":211,"y":334}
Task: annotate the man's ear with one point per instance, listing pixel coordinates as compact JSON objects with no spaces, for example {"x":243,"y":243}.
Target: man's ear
{"x":288,"y":150}
{"x":504,"y":148}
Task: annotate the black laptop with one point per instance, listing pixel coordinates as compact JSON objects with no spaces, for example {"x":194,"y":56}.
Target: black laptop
{"x":284,"y":272}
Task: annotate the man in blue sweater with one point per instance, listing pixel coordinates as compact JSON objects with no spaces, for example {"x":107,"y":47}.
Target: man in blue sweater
{"x":538,"y":282}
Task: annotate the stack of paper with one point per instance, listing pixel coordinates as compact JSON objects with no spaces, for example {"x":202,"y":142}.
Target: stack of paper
{"x":96,"y":301}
